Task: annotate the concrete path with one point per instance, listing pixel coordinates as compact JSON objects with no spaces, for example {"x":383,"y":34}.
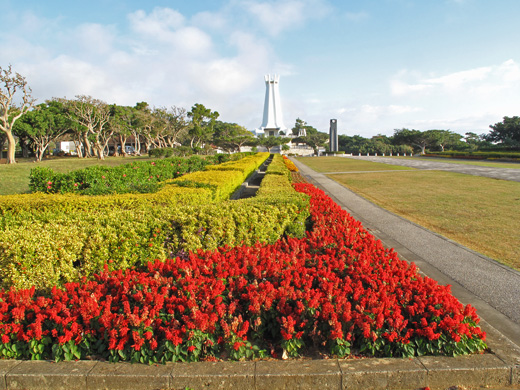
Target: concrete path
{"x":491,"y":287}
{"x":495,"y":173}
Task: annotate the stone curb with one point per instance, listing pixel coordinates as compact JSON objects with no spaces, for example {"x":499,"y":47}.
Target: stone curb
{"x":499,"y":369}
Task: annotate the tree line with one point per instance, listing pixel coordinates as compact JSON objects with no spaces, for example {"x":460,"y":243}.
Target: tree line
{"x":93,"y":124}
{"x":503,"y":135}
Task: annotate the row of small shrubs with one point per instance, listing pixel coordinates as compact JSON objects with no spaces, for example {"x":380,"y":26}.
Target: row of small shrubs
{"x":475,"y":155}
{"x":47,"y":240}
{"x":278,"y":166}
{"x":181,"y":151}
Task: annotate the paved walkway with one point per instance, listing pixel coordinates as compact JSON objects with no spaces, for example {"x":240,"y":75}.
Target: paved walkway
{"x":491,"y":287}
{"x":495,"y":173}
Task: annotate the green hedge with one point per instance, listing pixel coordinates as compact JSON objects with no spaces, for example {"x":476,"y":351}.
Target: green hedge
{"x":278,"y":167}
{"x":136,"y":177}
{"x":47,"y":240}
{"x":226,"y":177}
{"x":475,"y":155}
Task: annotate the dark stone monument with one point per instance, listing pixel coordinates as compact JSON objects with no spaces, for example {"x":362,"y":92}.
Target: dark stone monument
{"x":333,"y":135}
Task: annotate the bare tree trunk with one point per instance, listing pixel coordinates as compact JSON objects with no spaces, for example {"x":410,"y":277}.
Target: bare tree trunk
{"x":98,"y":149}
{"x":79,"y":148}
{"x":122,"y":141}
{"x":11,"y":148}
{"x":147,"y":145}
{"x":88,"y":147}
{"x":2,"y":142}
{"x":116,"y":149}
{"x":39,"y":154}
{"x":24,"y":147}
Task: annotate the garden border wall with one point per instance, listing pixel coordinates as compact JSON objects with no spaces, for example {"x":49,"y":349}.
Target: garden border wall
{"x":499,"y":369}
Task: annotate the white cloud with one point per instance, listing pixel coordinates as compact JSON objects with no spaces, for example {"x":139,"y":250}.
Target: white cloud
{"x":277,"y":16}
{"x":160,"y":57}
{"x":509,"y":71}
{"x":399,"y":87}
{"x":457,"y":79}
{"x":167,"y":26}
{"x":397,"y":109}
{"x":479,"y":80}
{"x":158,"y":24}
{"x":211,"y":20}
{"x":94,"y":38}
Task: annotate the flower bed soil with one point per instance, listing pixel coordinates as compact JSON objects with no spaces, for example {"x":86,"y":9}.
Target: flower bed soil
{"x":338,"y":290}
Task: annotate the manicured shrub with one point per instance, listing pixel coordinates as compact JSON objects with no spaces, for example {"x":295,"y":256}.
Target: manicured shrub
{"x":48,"y":240}
{"x":136,"y":177}
{"x":278,"y":167}
{"x":157,"y":152}
{"x":226,"y":177}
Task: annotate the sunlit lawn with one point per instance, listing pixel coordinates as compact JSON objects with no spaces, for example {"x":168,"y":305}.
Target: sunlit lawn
{"x":343,"y":164}
{"x":14,"y":178}
{"x":492,"y":164}
{"x":478,"y":212}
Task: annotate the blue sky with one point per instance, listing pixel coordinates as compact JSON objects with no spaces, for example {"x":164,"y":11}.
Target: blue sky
{"x":374,"y":65}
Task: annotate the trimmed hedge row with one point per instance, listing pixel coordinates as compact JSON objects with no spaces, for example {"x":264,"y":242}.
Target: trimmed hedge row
{"x":225,"y":178}
{"x":278,"y":167}
{"x":181,"y":151}
{"x":47,"y":240}
{"x":135,"y":177}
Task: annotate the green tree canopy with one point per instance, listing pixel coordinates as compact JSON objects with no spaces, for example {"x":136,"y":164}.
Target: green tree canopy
{"x":231,"y":137}
{"x":43,"y":125}
{"x":315,"y":141}
{"x":506,"y":132}
{"x":272,"y":141}
{"x":202,"y":123}
{"x":300,"y":124}
{"x":412,"y":137}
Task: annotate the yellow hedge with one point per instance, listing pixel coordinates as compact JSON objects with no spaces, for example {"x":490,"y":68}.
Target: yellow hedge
{"x":47,"y":240}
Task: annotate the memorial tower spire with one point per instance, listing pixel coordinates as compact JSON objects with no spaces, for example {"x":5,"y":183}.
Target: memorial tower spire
{"x":272,"y":122}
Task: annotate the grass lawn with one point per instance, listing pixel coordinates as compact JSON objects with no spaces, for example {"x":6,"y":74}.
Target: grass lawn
{"x":14,"y":178}
{"x":478,"y":212}
{"x":342,"y":164}
{"x":492,"y":164}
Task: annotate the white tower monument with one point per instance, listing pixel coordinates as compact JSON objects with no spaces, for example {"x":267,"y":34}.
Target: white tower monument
{"x":272,"y":122}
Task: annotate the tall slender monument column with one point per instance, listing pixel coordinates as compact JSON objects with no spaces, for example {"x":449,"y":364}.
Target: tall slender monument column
{"x":272,"y":122}
{"x":333,"y":135}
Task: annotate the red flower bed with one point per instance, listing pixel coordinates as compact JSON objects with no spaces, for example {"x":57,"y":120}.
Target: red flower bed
{"x":338,"y":290}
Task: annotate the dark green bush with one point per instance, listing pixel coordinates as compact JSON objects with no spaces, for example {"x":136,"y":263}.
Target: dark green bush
{"x":137,"y":177}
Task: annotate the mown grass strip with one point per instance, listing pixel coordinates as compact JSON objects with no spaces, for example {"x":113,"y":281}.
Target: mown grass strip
{"x":478,"y":212}
{"x":490,"y":164}
{"x":342,"y":164}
